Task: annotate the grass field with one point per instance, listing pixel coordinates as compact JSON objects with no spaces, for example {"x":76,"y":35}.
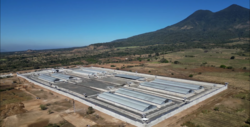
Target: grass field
{"x":233,"y":108}
{"x":129,"y":47}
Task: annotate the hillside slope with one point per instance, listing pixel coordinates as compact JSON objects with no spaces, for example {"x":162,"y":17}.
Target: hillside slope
{"x":201,"y":26}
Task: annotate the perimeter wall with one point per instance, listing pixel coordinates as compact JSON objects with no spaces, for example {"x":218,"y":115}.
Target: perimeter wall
{"x":123,"y":118}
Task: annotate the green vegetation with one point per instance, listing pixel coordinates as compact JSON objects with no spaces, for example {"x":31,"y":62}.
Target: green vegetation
{"x":90,"y":110}
{"x":112,"y":65}
{"x":6,"y":89}
{"x":163,"y":60}
{"x":216,"y":109}
{"x":223,"y":66}
{"x":43,"y":107}
{"x":191,"y":75}
{"x":212,"y":28}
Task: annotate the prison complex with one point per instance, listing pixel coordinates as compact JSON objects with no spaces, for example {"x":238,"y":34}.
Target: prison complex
{"x":142,"y":100}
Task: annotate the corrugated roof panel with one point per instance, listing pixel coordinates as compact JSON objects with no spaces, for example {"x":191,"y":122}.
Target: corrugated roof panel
{"x":83,"y":72}
{"x":178,"y":84}
{"x":128,"y":76}
{"x":140,"y":106}
{"x":167,"y":88}
{"x":48,"y":78}
{"x":61,"y":76}
{"x":93,"y":70}
{"x":142,"y":96}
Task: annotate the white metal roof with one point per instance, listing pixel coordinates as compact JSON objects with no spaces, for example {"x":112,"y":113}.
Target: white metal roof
{"x":142,"y":96}
{"x":167,"y":88}
{"x":177,"y":84}
{"x":128,"y":76}
{"x":140,"y":106}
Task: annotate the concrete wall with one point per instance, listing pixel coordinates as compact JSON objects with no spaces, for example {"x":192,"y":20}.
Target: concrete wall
{"x":204,"y":97}
{"x":113,"y":114}
{"x":161,"y":77}
{"x":133,"y":122}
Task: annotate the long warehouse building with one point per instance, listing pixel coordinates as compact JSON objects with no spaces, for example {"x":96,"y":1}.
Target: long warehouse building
{"x":81,"y":72}
{"x":48,"y":78}
{"x":177,"y":84}
{"x":129,"y":77}
{"x":143,"y":96}
{"x":166,"y":88}
{"x":134,"y":104}
{"x":62,"y":76}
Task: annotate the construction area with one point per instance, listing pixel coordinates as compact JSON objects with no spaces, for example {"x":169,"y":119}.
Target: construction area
{"x":142,"y":100}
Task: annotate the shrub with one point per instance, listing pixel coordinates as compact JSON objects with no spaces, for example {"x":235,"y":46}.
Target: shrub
{"x":199,"y":73}
{"x":43,"y":107}
{"x":191,"y":75}
{"x":232,"y":57}
{"x":90,"y":110}
{"x":163,"y":60}
{"x":52,"y":125}
{"x":117,"y":68}
{"x":244,"y":68}
{"x":149,"y":71}
{"x":112,"y":66}
{"x":229,"y":67}
{"x":148,"y":59}
{"x":176,"y":62}
{"x":248,"y":120}
{"x":223,"y":66}
{"x":50,"y":112}
{"x":216,"y":109}
{"x":172,"y":73}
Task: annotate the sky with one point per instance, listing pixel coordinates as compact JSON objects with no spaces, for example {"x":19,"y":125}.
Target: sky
{"x":47,"y":24}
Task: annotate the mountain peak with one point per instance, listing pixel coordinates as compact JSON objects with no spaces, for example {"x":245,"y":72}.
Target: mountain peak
{"x":235,"y":7}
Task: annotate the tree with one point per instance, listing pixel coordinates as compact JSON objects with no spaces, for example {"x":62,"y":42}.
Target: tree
{"x":163,"y":60}
{"x":43,"y":107}
{"x":176,"y":62}
{"x":157,"y":54}
{"x":223,"y":66}
{"x":232,"y":57}
{"x":90,"y":110}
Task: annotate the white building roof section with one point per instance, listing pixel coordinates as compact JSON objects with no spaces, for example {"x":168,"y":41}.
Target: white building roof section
{"x":128,"y":76}
{"x":93,"y":70}
{"x":143,"y":96}
{"x":137,"y":105}
{"x":167,"y":88}
{"x":177,"y":84}
{"x":61,"y":76}
{"x":48,"y":78}
{"x":83,"y":72}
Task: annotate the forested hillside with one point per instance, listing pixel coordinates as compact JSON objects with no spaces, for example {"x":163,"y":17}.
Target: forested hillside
{"x":203,"y":26}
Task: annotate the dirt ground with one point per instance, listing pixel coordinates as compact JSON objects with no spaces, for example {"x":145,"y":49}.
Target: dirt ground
{"x":233,"y":105}
{"x":60,"y":108}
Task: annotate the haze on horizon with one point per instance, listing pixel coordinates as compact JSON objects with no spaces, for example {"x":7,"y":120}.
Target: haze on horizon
{"x":47,"y":24}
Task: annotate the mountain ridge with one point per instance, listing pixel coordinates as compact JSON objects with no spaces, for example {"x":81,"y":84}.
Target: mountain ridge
{"x":201,"y":26}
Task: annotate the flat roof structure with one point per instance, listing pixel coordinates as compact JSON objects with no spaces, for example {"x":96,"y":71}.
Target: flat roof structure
{"x":61,"y":76}
{"x":48,"y":78}
{"x":143,"y":96}
{"x":128,"y":76}
{"x":82,"y":72}
{"x":126,"y":96}
{"x":93,"y":70}
{"x":167,"y":88}
{"x":137,"y":105}
{"x":177,"y":84}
